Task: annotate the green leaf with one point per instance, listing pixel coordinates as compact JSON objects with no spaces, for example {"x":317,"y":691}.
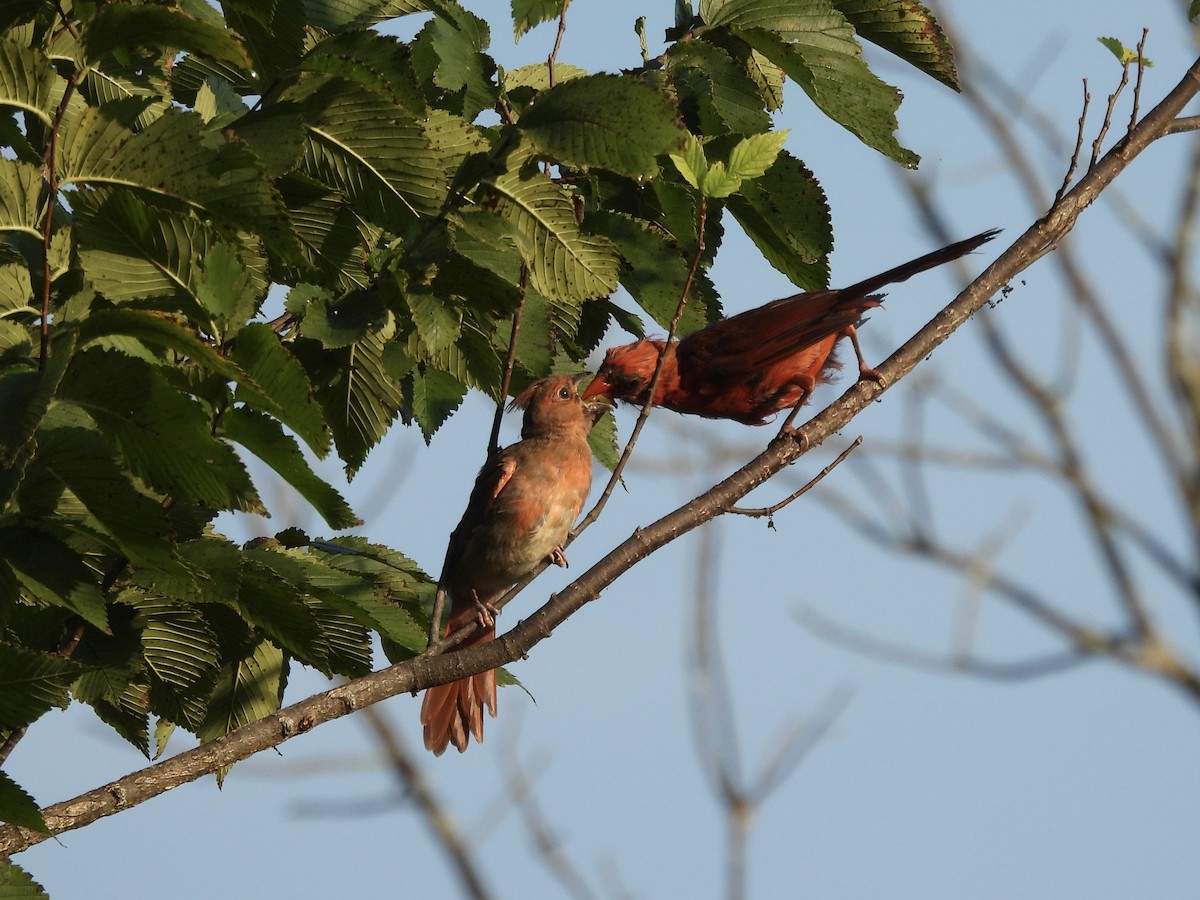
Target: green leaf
{"x":119,"y":702}
{"x":133,"y":251}
{"x":449,"y":49}
{"x":438,"y":324}
{"x":25,"y":399}
{"x":271,"y":599}
{"x":602,"y":440}
{"x":359,"y":398}
{"x":378,"y":587}
{"x":786,"y":215}
{"x":435,"y":395}
{"x":161,"y":331}
{"x":816,"y":46}
{"x":752,"y":156}
{"x":179,"y":646}
{"x":334,"y":240}
{"x":1194,"y":10}
{"x":337,"y":323}
{"x":17,"y":884}
{"x":246,"y":691}
{"x":163,"y":729}
{"x":537,"y":75}
{"x":490,"y":243}
{"x":472,"y":360}
{"x":163,"y":436}
{"x":380,"y":63}
{"x":274,"y":34}
{"x":279,"y":376}
{"x":566,"y":265}
{"x":20,"y":197}
{"x":218,"y":104}
{"x":226,"y":289}
{"x":376,"y":152}
{"x":31,"y":683}
{"x":719,"y":182}
{"x":350,"y":15}
{"x":907,"y":29}
{"x":74,"y":452}
{"x":218,"y":563}
{"x":53,"y":573}
{"x":528,"y":14}
{"x":177,"y":162}
{"x":612,"y":122}
{"x":340,"y":643}
{"x":1123,"y":54}
{"x":692,"y":164}
{"x":655,"y":271}
{"x":717,"y":94}
{"x":27,"y":80}
{"x":347,"y":643}
{"x":266,"y":439}
{"x":118,"y":26}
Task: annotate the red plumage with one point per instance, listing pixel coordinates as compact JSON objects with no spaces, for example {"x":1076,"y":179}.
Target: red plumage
{"x":521,"y":509}
{"x":757,"y":363}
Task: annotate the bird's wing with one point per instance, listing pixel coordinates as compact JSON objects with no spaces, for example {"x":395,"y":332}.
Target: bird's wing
{"x":490,"y":481}
{"x":741,"y":346}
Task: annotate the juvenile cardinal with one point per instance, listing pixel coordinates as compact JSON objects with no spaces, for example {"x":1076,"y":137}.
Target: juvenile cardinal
{"x":755,"y":364}
{"x":525,"y":500}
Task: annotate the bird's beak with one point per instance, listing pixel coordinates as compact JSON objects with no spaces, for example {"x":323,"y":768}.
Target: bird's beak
{"x":596,"y":407}
{"x":598,"y":388}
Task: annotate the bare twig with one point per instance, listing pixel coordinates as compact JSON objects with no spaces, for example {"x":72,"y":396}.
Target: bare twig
{"x":1108,"y":112}
{"x":715,"y":729}
{"x":1074,"y":164}
{"x":769,"y":511}
{"x":549,"y":848}
{"x":510,"y":360}
{"x":412,"y":779}
{"x":886,"y":651}
{"x":1141,"y":71}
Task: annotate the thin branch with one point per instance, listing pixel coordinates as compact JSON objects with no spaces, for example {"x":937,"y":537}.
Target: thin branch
{"x":510,"y":360}
{"x":1108,"y":113}
{"x":562,"y":28}
{"x":594,"y":512}
{"x":49,"y":164}
{"x":1184,"y":124}
{"x":428,"y":670}
{"x":769,"y":511}
{"x":1141,"y":71}
{"x":886,"y":651}
{"x":549,"y":848}
{"x":416,"y":786}
{"x":1074,"y":164}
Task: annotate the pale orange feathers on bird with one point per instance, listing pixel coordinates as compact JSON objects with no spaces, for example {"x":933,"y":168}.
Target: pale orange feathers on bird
{"x":521,"y":509}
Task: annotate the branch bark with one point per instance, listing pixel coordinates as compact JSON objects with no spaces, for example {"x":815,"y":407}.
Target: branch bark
{"x":426,"y":671}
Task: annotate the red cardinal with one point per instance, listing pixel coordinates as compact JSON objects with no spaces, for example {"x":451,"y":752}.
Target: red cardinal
{"x":525,"y":500}
{"x":755,"y":364}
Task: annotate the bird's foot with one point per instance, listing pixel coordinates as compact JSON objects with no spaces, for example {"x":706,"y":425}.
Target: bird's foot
{"x":558,"y":558}
{"x":796,"y":434}
{"x":789,"y":430}
{"x":485,"y":612}
{"x":872,"y":375}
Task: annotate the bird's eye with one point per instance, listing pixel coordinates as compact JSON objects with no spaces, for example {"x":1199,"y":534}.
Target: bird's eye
{"x":564,"y":393}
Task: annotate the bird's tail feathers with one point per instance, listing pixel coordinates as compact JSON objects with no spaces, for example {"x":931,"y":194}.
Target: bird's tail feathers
{"x":452,"y":712}
{"x":922,"y":263}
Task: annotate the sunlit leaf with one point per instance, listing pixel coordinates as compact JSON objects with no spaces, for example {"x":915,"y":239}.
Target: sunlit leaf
{"x":609,"y":121}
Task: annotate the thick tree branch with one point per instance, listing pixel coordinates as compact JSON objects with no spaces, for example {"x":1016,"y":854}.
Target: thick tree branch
{"x":426,"y":671}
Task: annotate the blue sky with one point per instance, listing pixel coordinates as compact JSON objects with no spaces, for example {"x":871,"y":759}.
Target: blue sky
{"x":927,"y":785}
